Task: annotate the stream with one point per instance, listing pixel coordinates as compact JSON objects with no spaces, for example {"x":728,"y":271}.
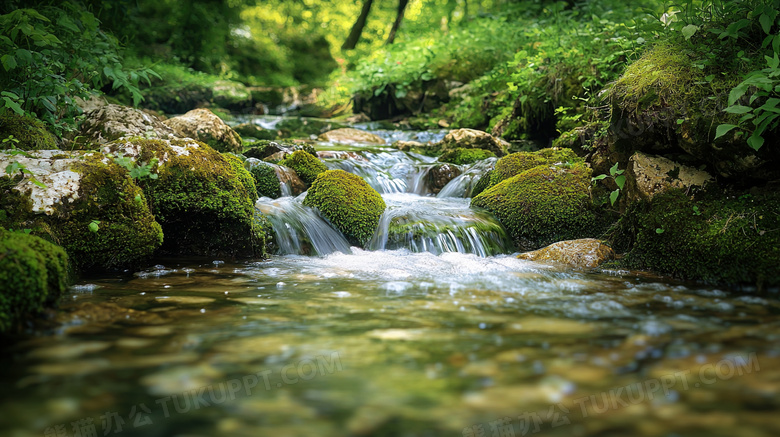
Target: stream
{"x":435,"y":329}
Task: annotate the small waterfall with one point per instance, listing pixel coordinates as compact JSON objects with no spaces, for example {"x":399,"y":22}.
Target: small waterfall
{"x":462,"y":185}
{"x":299,"y":229}
{"x":386,"y":172}
{"x":426,"y":224}
{"x":289,"y":182}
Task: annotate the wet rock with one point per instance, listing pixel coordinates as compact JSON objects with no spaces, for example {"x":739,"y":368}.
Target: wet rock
{"x":340,"y":154}
{"x":251,"y":130}
{"x":107,"y":313}
{"x":110,"y":122}
{"x":583,"y":253}
{"x":203,"y":125}
{"x":267,"y":149}
{"x":649,"y":175}
{"x":306,"y":166}
{"x":348,"y":202}
{"x":88,"y":203}
{"x":440,"y":175}
{"x":474,"y":139}
{"x":349,"y":135}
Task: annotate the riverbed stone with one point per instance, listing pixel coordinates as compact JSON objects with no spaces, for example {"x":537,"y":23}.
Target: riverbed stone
{"x":473,"y":139}
{"x":109,"y":122}
{"x":306,"y":166}
{"x":203,"y":199}
{"x":583,"y":253}
{"x":83,"y":200}
{"x":349,"y":135}
{"x":252,"y":130}
{"x":348,"y":202}
{"x":649,"y":175}
{"x":440,"y":175}
{"x":203,"y":125}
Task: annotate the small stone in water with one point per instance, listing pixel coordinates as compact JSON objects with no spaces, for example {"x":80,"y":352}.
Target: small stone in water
{"x":280,"y":285}
{"x":202,"y":310}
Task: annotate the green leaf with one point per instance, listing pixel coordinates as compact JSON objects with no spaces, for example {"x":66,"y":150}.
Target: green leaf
{"x":613,"y":196}
{"x":737,"y":92}
{"x":755,"y":141}
{"x":620,"y":181}
{"x":766,"y":22}
{"x":599,"y":177}
{"x":689,"y":30}
{"x":659,"y":230}
{"x":738,"y":109}
{"x":94,"y":225}
{"x":774,"y":62}
{"x":13,"y":105}
{"x":613,"y":169}
{"x":8,"y":61}
{"x":723,"y":129}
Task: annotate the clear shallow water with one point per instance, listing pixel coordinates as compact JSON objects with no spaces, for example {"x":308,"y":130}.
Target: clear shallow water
{"x":447,"y":341}
{"x":398,"y":343}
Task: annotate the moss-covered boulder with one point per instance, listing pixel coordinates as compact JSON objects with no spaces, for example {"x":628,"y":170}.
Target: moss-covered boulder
{"x":305,"y":165}
{"x":348,"y":202}
{"x":715,"y":237}
{"x":268,"y":184}
{"x":85,"y":202}
{"x":109,"y":122}
{"x":461,"y":156}
{"x":544,"y":205}
{"x":203,"y":199}
{"x":664,"y":104}
{"x":203,"y":125}
{"x":33,"y":274}
{"x":519,"y":162}
{"x":231,"y":95}
{"x":29,"y":132}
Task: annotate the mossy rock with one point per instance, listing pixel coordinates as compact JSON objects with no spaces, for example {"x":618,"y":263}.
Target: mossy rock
{"x":30,"y":132}
{"x":516,"y":163}
{"x":731,"y":239}
{"x":33,"y":274}
{"x":306,"y":165}
{"x":251,"y":130}
{"x":462,"y":156}
{"x":203,"y":199}
{"x":664,"y":104}
{"x":266,"y":180}
{"x":348,"y":202}
{"x":483,"y":183}
{"x":204,"y":125}
{"x":90,"y":206}
{"x":543,"y":205}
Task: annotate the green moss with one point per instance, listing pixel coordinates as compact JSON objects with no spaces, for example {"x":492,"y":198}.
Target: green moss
{"x":33,"y":273}
{"x":729,"y":239}
{"x":461,"y":156}
{"x":305,"y":165}
{"x":243,"y":175}
{"x":204,"y":200}
{"x":483,"y":183}
{"x":30,"y":132}
{"x":348,"y":202}
{"x":543,"y":205}
{"x":127,"y":233}
{"x":266,"y":180}
{"x":519,"y":162}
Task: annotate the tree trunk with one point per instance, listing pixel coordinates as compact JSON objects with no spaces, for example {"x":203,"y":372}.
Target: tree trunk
{"x":357,"y":28}
{"x":400,"y":16}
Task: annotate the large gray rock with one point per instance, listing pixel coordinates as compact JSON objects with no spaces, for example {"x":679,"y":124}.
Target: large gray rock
{"x":109,"y":122}
{"x":203,"y":125}
{"x":649,"y":175}
{"x":473,"y":139}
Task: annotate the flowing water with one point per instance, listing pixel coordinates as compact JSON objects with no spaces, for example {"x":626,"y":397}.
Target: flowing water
{"x":435,"y":330}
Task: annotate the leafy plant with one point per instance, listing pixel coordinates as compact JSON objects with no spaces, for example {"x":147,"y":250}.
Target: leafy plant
{"x":618,"y":177}
{"x":52,"y":56}
{"x":137,"y":171}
